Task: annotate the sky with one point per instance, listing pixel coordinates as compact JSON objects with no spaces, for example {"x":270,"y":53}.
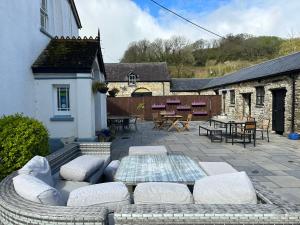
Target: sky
{"x":124,"y":21}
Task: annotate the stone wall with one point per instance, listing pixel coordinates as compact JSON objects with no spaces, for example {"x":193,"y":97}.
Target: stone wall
{"x":260,"y":112}
{"x":184,"y":93}
{"x":297,"y":106}
{"x":157,"y":88}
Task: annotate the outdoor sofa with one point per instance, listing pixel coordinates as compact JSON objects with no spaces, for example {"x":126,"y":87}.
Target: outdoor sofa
{"x":17,"y":211}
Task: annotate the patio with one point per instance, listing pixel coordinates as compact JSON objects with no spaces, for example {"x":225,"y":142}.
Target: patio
{"x":275,"y":165}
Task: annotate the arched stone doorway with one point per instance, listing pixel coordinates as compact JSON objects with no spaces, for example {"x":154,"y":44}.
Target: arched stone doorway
{"x":141,"y":92}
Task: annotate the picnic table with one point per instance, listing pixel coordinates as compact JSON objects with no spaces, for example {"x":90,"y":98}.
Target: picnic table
{"x":176,"y":168}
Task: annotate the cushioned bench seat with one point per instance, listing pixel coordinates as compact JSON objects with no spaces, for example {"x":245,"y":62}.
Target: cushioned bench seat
{"x":148,"y":150}
{"x":216,"y":168}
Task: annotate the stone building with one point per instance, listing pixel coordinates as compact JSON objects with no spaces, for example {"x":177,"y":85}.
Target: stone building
{"x":269,"y":90}
{"x":138,"y":79}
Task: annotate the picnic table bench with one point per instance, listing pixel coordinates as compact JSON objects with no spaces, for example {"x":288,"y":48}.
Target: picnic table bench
{"x":212,"y":132}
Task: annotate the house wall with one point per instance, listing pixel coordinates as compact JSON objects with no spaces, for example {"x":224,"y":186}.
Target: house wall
{"x":184,"y":93}
{"x":259,"y":112}
{"x":157,"y":88}
{"x":21,"y":42}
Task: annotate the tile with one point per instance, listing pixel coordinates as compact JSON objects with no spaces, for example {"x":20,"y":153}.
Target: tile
{"x":285,"y":181}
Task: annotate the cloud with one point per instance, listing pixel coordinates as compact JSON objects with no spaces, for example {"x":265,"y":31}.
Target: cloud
{"x":123,"y":21}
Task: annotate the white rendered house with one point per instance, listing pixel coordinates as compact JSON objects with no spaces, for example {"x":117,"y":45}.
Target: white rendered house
{"x":46,"y":77}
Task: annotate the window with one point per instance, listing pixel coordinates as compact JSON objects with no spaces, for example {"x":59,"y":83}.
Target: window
{"x":62,"y":99}
{"x":260,"y":96}
{"x":132,"y":79}
{"x":44,"y":15}
{"x":232,"y":97}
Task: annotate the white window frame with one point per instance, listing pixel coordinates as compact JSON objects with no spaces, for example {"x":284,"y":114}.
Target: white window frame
{"x":131,"y":79}
{"x":56,"y":91}
{"x":44,"y":15}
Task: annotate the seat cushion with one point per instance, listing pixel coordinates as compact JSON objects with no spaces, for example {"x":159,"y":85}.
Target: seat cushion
{"x":108,"y":194}
{"x":38,"y":167}
{"x":215,"y":168}
{"x":34,"y":189}
{"x":81,"y":168}
{"x":231,"y":188}
{"x":162,"y":193}
{"x":110,"y":170}
{"x":65,"y":187}
{"x":148,"y":150}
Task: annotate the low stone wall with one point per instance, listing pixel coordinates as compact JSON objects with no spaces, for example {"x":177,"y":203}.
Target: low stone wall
{"x":297,"y":106}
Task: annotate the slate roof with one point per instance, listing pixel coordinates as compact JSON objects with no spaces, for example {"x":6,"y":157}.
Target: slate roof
{"x":188,"y":84}
{"x":279,"y":66}
{"x":146,"y":72}
{"x":69,"y":56}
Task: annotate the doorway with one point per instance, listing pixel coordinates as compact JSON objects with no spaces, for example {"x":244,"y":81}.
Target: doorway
{"x":278,"y":110}
{"x":246,"y":104}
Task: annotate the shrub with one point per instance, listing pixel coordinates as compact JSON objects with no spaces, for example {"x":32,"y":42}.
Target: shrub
{"x":21,"y":138}
{"x":113,"y":92}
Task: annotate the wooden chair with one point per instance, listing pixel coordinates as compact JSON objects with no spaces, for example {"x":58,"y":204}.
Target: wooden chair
{"x":157,"y":120}
{"x":264,"y":127}
{"x":249,"y":130}
{"x":186,"y":123}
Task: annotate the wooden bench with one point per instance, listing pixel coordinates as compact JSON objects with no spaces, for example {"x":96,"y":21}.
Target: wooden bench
{"x":212,"y":132}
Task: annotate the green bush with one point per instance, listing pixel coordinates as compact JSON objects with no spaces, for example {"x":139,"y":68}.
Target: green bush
{"x":21,"y":138}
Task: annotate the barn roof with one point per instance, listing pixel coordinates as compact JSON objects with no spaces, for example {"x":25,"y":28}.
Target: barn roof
{"x":145,"y":72}
{"x":188,"y":84}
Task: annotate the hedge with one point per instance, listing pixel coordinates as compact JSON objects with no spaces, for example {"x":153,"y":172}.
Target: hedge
{"x":21,"y":138}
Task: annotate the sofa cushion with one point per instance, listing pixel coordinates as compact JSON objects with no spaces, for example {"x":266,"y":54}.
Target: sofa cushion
{"x":81,"y":168}
{"x":148,"y":150}
{"x":231,"y":188}
{"x":110,"y":170}
{"x":38,"y":167}
{"x":162,"y":193}
{"x":109,"y":194}
{"x":95,"y":177}
{"x":65,"y":187}
{"x":34,"y":189}
{"x":215,"y":168}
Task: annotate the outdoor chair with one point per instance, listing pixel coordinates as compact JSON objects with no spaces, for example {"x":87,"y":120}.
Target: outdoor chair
{"x":133,"y":122}
{"x":248,"y":130}
{"x":157,"y":120}
{"x":186,"y":123}
{"x":264,"y":127}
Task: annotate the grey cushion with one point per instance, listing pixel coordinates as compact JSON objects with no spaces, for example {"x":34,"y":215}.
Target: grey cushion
{"x":108,"y":194}
{"x":95,"y":177}
{"x":111,"y":170}
{"x":231,"y":188}
{"x":81,"y":168}
{"x":34,"y":189}
{"x":38,"y":167}
{"x":215,"y":168}
{"x":148,"y":150}
{"x":162,"y":193}
{"x":65,"y":187}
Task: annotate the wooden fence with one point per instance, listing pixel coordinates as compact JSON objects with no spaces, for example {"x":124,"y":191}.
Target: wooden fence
{"x":201,"y":106}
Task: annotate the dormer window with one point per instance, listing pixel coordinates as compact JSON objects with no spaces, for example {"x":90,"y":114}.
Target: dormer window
{"x":131,"y":79}
{"x":44,"y":15}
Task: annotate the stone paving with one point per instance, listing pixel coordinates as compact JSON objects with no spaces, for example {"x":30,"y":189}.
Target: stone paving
{"x":275,"y":164}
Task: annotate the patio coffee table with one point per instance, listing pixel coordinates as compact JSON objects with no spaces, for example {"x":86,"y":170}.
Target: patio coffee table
{"x":158,"y":168}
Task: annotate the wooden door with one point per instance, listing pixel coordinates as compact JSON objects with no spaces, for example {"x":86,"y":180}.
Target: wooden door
{"x":278,"y":110}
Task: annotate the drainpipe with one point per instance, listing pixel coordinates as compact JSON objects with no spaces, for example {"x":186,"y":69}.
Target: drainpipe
{"x":293,"y":103}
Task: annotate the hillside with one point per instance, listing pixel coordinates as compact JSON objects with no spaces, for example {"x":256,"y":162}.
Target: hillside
{"x":210,"y":59}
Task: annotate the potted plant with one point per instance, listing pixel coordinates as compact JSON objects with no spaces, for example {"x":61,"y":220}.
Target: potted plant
{"x":100,"y":87}
{"x":140,"y":110}
{"x":113,"y":92}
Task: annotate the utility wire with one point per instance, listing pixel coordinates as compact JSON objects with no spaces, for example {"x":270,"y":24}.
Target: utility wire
{"x":187,"y":20}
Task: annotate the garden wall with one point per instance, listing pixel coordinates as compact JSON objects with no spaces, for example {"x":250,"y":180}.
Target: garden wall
{"x":202,"y":107}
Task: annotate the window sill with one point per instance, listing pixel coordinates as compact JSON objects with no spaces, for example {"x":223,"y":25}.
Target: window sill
{"x":232,"y":105}
{"x":62,"y":119}
{"x":46,"y":33}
